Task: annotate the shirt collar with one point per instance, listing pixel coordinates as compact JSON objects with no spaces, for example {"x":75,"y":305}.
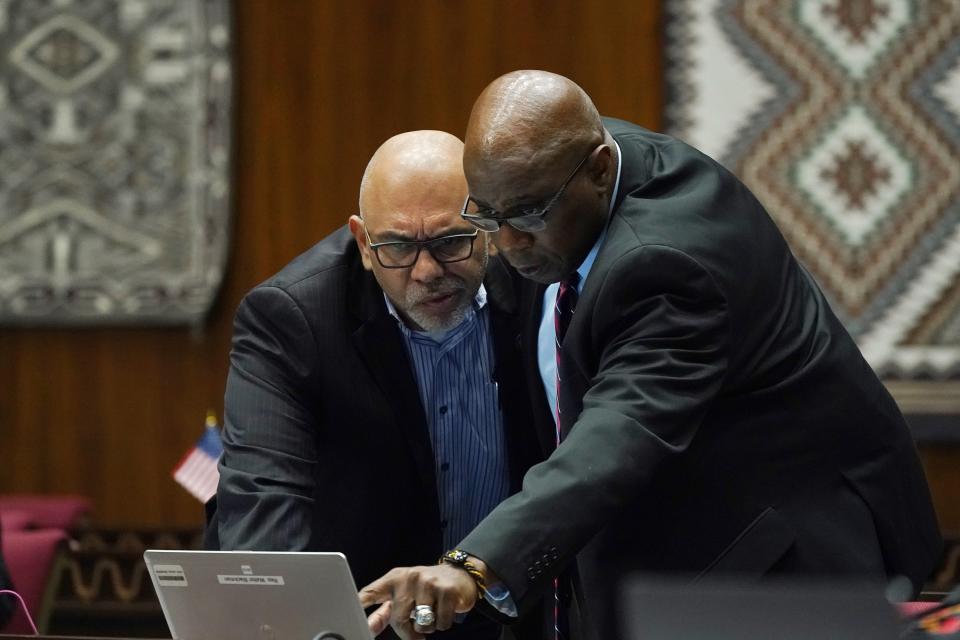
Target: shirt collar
{"x":584,"y":269}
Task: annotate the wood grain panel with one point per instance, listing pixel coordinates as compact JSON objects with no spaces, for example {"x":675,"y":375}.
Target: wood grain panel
{"x":942,"y":465}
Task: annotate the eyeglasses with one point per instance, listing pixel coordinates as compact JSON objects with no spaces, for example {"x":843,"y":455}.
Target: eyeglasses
{"x":404,"y":254}
{"x":528,"y":218}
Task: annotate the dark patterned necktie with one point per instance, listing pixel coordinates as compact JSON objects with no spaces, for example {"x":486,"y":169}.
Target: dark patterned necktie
{"x":562,"y":315}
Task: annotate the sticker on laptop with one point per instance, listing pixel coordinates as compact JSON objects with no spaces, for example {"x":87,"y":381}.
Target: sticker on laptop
{"x":170,"y":575}
{"x":261,"y":581}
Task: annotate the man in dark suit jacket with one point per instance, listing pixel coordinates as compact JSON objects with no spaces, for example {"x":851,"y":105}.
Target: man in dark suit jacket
{"x":340,"y":433}
{"x":715,"y":418}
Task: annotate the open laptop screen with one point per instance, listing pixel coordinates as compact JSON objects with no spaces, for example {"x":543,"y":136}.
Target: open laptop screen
{"x":257,"y":595}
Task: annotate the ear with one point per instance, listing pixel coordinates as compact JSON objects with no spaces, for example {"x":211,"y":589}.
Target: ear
{"x":356,"y":228}
{"x":601,"y":168}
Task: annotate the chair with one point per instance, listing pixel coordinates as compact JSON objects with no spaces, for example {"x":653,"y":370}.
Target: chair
{"x":15,"y":520}
{"x":33,"y":558}
{"x":66,"y":512}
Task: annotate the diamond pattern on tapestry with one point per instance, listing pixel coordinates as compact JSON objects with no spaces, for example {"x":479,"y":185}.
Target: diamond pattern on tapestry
{"x":854,"y":32}
{"x":848,"y":130}
{"x":854,"y":176}
{"x":114,"y":147}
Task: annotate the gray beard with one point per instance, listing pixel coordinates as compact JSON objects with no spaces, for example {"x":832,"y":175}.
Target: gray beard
{"x":434,"y":323}
{"x":447,"y":284}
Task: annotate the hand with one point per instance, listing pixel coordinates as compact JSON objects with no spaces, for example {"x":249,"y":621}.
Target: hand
{"x":379,"y":619}
{"x":449,"y":590}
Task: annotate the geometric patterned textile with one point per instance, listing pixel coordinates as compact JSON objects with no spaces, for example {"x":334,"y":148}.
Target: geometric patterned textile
{"x":843,"y":117}
{"x":114,"y":160}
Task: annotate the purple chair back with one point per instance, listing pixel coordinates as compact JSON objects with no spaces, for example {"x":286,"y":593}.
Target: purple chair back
{"x":15,"y":520}
{"x":54,"y":511}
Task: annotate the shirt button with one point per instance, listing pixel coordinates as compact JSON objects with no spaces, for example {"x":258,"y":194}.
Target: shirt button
{"x":443,"y":524}
{"x":443,"y":409}
{"x":445,"y":466}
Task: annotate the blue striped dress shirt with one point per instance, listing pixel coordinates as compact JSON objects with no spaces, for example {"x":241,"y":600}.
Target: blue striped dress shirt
{"x":454,"y":371}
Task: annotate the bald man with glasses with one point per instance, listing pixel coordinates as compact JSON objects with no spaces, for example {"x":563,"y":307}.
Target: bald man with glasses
{"x":375,"y":404}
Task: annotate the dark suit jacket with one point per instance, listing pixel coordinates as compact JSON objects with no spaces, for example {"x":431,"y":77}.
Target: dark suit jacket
{"x":729,"y":423}
{"x":326,"y":446}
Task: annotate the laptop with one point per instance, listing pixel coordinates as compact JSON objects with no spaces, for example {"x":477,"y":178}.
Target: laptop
{"x":257,"y":595}
{"x":655,"y":609}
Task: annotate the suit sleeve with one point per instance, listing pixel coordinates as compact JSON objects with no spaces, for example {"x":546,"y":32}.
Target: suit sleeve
{"x":266,"y":493}
{"x":659,"y":332}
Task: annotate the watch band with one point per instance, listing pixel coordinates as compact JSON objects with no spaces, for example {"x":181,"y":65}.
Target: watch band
{"x":460,"y":558}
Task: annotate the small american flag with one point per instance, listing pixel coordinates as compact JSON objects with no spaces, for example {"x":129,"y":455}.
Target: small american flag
{"x":197,"y":470}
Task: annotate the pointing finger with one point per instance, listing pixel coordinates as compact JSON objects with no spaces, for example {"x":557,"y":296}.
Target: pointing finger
{"x":379,"y":619}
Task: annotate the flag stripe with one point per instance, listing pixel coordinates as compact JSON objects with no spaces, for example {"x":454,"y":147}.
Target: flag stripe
{"x":197,"y":472}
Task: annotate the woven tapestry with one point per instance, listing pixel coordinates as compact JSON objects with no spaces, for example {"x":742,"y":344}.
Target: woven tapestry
{"x":114,"y":160}
{"x":843,"y":117}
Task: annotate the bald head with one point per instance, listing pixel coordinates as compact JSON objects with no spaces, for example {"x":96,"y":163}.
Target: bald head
{"x":531,"y":118}
{"x":428,"y":261}
{"x":411,"y":169}
{"x":538,"y":159}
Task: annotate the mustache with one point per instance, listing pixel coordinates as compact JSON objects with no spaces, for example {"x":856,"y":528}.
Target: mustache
{"x":417,"y":293}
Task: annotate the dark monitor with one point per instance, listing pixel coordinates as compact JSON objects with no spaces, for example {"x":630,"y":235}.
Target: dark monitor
{"x":668,"y":609}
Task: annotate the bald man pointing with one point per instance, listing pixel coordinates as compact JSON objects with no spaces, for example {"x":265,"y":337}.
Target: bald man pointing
{"x":704,"y":410}
{"x":374,"y":404}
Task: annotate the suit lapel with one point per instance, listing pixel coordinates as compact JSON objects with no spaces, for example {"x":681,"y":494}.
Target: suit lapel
{"x":582,"y":359}
{"x":380,"y":344}
{"x":523,"y":448}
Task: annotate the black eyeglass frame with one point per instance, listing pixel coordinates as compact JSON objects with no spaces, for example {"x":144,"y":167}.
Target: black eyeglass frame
{"x":420,"y":244}
{"x":522,"y":222}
